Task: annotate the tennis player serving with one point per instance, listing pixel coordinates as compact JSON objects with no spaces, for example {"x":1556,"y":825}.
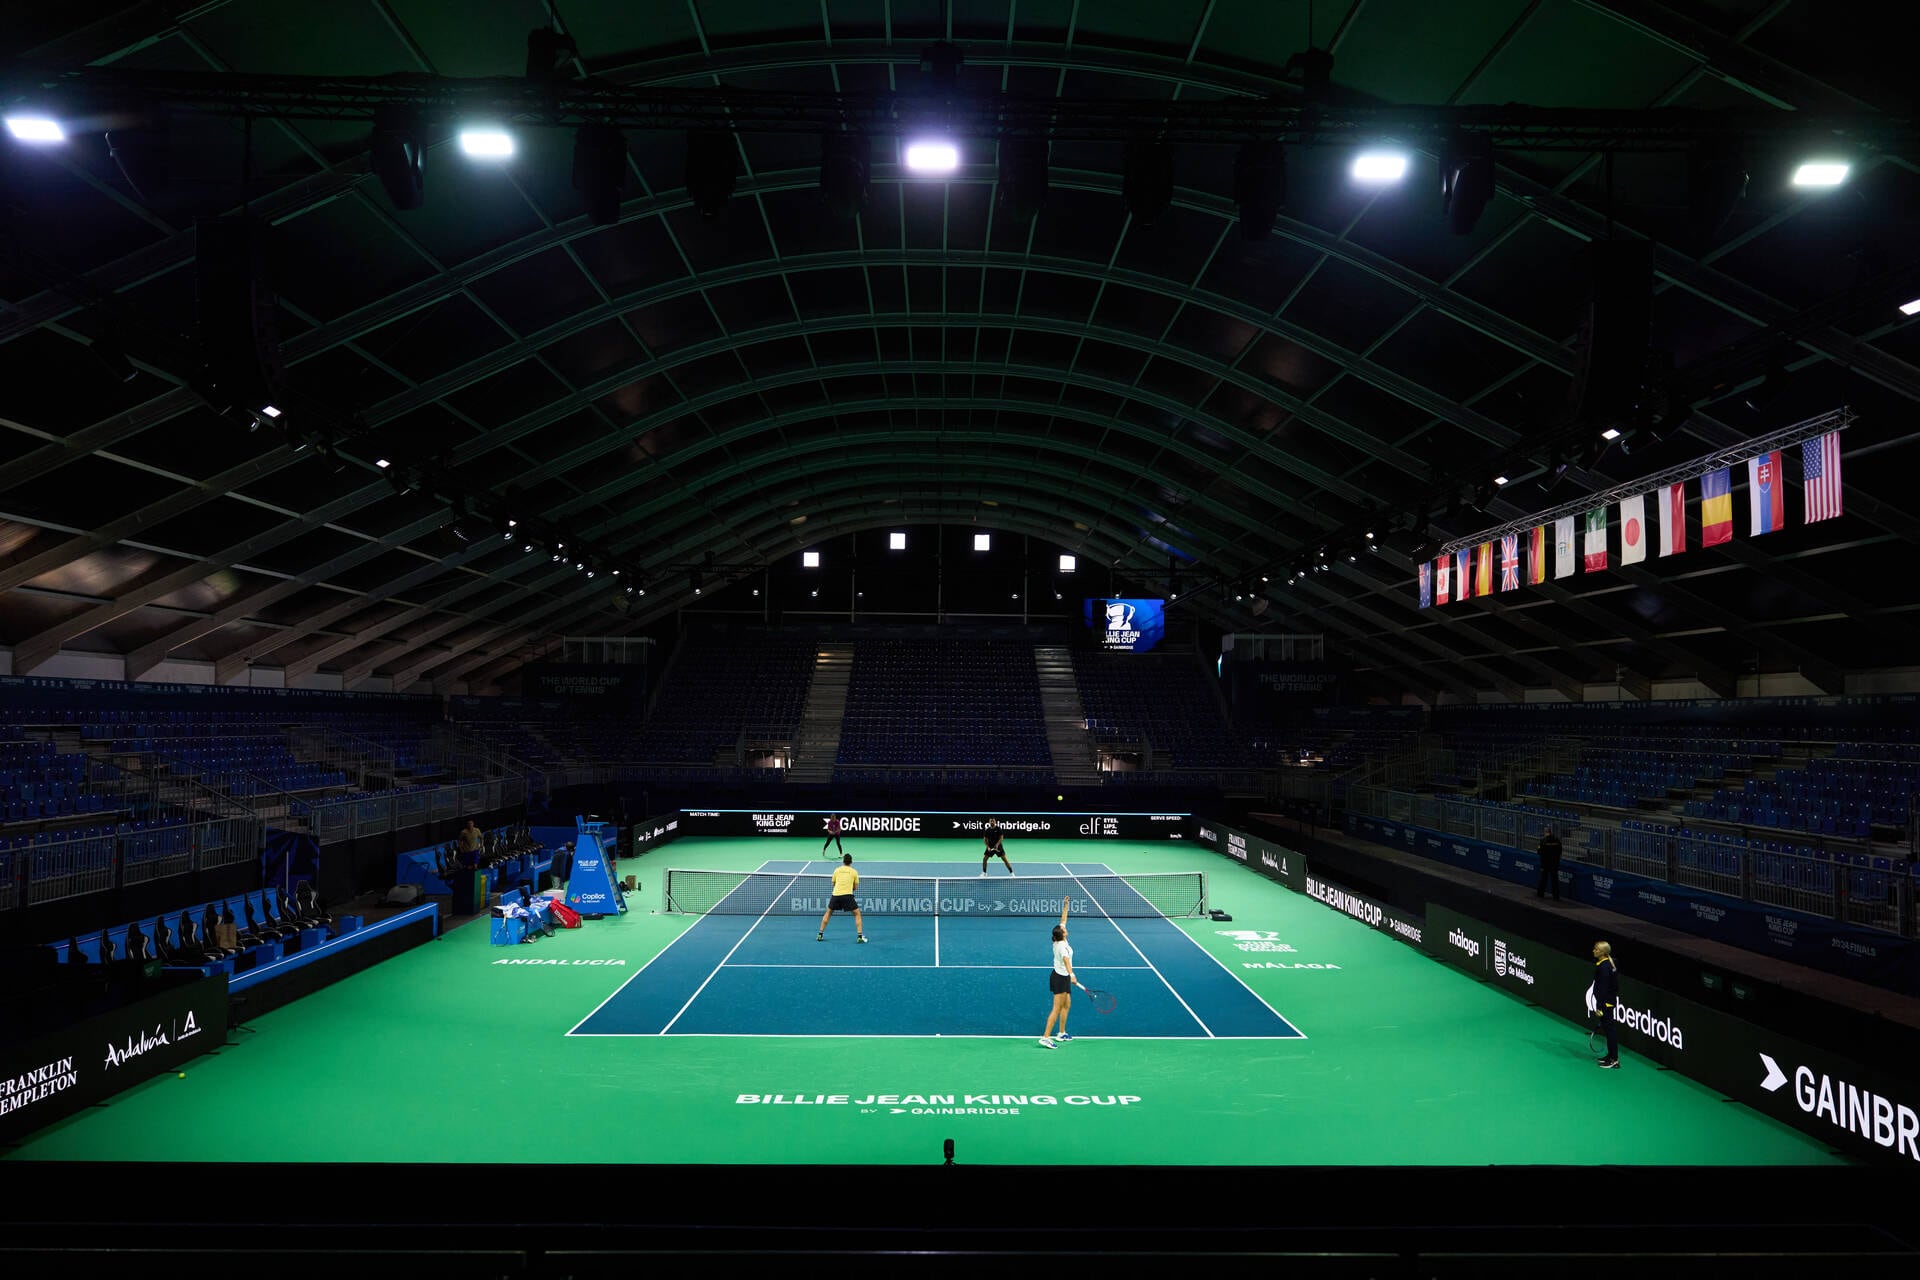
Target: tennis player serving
{"x":1060,"y":981}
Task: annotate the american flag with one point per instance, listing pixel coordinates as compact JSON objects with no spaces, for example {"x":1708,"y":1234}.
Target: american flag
{"x":1820,"y":468}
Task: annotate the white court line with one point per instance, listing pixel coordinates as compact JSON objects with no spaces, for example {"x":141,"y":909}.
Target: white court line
{"x":637,"y":972}
{"x":723,"y":959}
{"x":936,"y":940}
{"x":1230,"y":973}
{"x":1031,"y":968}
{"x":1028,"y":1036}
{"x":1143,"y":955}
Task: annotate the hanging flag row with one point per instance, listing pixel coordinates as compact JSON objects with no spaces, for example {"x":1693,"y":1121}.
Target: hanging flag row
{"x":1473,"y":571}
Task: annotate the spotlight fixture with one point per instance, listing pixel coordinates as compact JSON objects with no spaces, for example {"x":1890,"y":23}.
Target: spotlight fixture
{"x":983,"y":542}
{"x":1910,"y":308}
{"x":1611,"y":433}
{"x":486,"y":142}
{"x":398,"y":157}
{"x":1821,"y":173}
{"x":1379,"y":168}
{"x":710,"y":170}
{"x":1259,"y":187}
{"x":528,"y":548}
{"x":40,"y":130}
{"x":1466,"y":180}
{"x":809,"y":559}
{"x":1023,"y":178}
{"x":600,"y":171}
{"x":846,"y":167}
{"x":896,"y":541}
{"x":1146,"y":183}
{"x":1068,"y":564}
{"x":1499,"y":480}
{"x":382,"y":463}
{"x":932,"y":155}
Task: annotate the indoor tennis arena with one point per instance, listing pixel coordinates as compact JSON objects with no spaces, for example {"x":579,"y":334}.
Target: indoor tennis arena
{"x":918,"y":633}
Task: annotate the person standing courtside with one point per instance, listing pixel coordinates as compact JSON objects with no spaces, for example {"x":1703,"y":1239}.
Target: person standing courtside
{"x":1549,"y":866}
{"x":1602,"y":996}
{"x":994,"y":847}
{"x":845,"y":881}
{"x":833,"y":837}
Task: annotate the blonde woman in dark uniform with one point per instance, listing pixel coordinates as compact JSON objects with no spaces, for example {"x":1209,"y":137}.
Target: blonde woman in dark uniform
{"x":1061,"y":982}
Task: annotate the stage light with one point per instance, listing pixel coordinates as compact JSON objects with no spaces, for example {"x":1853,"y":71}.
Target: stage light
{"x":1611,"y":433}
{"x":512,"y":523}
{"x":556,"y":557}
{"x":1499,"y":480}
{"x":600,"y":171}
{"x":1146,"y":184}
{"x":1379,"y":167}
{"x":398,"y":157}
{"x":1259,"y":187}
{"x":896,"y":542}
{"x":932,"y":155}
{"x":809,"y":559}
{"x":1821,"y":173}
{"x":382,"y":463}
{"x":1068,"y":564}
{"x":43,"y":130}
{"x":270,"y":410}
{"x":1466,"y":180}
{"x":616,"y":573}
{"x":846,"y":166}
{"x":711,"y":156}
{"x":486,"y":143}
{"x":1023,"y":178}
{"x":982,"y":542}
{"x":528,"y":548}
{"x":813,"y":595}
{"x":1910,"y":308}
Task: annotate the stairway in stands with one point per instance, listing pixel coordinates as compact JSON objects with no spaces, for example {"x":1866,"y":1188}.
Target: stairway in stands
{"x":817,"y":744}
{"x":1067,"y":737}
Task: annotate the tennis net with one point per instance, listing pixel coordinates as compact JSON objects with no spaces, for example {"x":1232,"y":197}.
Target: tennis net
{"x":755,"y":893}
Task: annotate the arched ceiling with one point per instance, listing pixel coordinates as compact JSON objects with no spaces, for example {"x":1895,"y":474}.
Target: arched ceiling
{"x":671,"y":386}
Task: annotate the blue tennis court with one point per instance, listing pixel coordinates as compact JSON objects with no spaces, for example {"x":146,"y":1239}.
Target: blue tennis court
{"x":977,"y":966}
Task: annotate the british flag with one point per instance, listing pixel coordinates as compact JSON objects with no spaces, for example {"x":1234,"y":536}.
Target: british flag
{"x":1510,"y":562}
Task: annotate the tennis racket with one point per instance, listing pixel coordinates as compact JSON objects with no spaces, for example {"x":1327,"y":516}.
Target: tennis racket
{"x":1103,"y":1001}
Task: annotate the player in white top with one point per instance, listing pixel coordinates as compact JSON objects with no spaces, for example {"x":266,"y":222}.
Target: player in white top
{"x":1060,"y":981}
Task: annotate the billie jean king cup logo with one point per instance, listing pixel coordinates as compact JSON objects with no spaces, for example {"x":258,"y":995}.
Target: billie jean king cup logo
{"x":1119,"y":616}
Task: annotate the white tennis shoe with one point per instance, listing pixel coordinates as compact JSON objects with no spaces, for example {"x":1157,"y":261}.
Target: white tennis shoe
{"x":1046,"y":1042}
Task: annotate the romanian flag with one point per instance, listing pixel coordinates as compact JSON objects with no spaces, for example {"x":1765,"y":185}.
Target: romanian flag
{"x":1426,"y":584}
{"x":1483,"y":570}
{"x":1537,"y":555}
{"x":1716,"y":508}
{"x":1595,"y":542}
{"x":1766,"y":493}
{"x":1443,"y":570}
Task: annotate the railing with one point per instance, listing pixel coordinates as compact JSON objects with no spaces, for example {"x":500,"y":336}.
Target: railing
{"x":1861,"y":888}
{"x":82,"y":865}
{"x":392,"y":811}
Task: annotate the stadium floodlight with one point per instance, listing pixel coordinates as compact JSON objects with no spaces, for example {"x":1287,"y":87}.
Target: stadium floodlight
{"x":43,"y":130}
{"x":896,"y":541}
{"x":1821,"y":173}
{"x":1379,"y":167}
{"x":1499,"y":480}
{"x":1910,"y":308}
{"x":809,"y":559}
{"x":1611,"y":433}
{"x":270,"y":410}
{"x":1068,"y":564}
{"x":932,"y":155}
{"x":382,"y":463}
{"x":983,"y":542}
{"x":486,"y":142}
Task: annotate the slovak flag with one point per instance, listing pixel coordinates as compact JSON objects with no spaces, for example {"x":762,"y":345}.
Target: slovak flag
{"x":1510,"y":562}
{"x":1766,"y":493}
{"x":1426,"y":584}
{"x":1442,"y":571}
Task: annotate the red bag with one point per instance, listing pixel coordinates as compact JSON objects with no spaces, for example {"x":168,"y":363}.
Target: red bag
{"x":563,"y":915}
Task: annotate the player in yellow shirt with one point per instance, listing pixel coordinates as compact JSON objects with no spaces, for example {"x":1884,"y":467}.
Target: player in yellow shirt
{"x":845,"y":881}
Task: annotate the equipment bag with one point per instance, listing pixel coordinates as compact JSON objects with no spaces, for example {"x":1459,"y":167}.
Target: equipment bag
{"x":563,"y":915}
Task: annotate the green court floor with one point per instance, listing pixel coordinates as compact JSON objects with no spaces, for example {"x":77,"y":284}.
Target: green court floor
{"x":445,"y":1054}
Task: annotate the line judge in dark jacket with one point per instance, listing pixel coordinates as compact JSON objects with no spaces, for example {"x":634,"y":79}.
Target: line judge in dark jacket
{"x":1602,"y":996}
{"x":1549,"y":866}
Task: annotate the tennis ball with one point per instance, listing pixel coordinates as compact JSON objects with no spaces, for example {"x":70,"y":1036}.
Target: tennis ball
{"x":1059,"y":797}
{"x":183,"y":1075}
